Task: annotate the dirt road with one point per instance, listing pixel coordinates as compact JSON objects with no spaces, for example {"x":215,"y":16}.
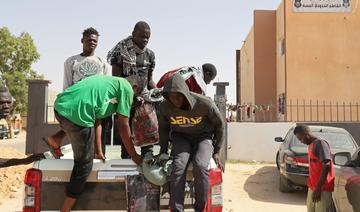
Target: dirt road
{"x":254,"y":188}
{"x":247,"y":187}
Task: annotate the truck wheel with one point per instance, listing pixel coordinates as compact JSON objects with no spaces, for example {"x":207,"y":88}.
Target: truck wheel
{"x":284,"y":185}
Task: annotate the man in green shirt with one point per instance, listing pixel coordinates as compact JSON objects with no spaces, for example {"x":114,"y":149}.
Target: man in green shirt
{"x":78,"y":110}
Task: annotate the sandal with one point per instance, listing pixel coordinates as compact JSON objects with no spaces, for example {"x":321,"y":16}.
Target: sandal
{"x":56,"y":152}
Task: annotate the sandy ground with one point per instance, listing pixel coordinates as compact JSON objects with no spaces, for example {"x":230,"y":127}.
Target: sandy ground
{"x":11,"y":178}
{"x":247,"y":187}
{"x":254,"y":187}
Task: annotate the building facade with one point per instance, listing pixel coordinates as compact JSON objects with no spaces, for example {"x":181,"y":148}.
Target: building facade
{"x":316,"y":66}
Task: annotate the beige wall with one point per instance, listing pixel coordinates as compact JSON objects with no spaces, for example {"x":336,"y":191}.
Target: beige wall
{"x":280,"y":56}
{"x":247,"y":69}
{"x":322,"y":55}
{"x":320,"y":63}
{"x":258,"y":67}
{"x":265,"y":62}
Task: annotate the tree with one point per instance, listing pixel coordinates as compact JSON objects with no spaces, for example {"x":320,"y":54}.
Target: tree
{"x":17,"y":54}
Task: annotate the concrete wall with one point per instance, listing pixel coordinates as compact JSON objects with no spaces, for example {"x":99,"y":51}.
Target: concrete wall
{"x":38,"y":125}
{"x":255,"y":141}
{"x":247,"y":70}
{"x":280,"y":56}
{"x":322,"y":55}
{"x":257,"y":64}
{"x":265,"y":61}
{"x":316,"y":60}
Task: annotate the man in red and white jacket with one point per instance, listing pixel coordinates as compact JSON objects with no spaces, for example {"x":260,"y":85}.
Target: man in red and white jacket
{"x":321,"y":171}
{"x":195,"y":78}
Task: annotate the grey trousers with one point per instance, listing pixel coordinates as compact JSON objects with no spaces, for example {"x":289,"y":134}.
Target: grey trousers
{"x":183,"y":150}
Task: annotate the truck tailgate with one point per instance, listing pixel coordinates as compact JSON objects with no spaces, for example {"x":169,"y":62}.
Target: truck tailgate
{"x":104,"y":190}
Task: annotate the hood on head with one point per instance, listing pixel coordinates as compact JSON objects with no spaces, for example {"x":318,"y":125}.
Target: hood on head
{"x":176,"y":83}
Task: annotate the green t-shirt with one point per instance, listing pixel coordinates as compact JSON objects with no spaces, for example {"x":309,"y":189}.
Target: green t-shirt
{"x":94,"y":98}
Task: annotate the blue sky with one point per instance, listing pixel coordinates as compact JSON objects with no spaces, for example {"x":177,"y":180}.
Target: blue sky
{"x":183,"y":32}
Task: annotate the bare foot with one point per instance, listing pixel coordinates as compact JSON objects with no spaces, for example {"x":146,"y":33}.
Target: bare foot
{"x":55,"y":151}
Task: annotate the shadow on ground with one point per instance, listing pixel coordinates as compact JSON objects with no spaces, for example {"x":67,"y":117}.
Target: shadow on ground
{"x":264,"y":186}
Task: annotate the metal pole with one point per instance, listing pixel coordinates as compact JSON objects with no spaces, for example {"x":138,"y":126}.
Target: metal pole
{"x":310,"y":110}
{"x":304,"y":108}
{"x":290,"y":110}
{"x":297,"y":109}
{"x":330,"y":111}
{"x":350,"y":112}
{"x":337,"y":111}
{"x":324,"y":110}
{"x":317,"y":110}
{"x":344,"y":111}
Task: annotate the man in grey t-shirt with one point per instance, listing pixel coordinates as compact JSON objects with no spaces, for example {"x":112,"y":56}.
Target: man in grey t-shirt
{"x":86,"y":64}
{"x":76,"y":68}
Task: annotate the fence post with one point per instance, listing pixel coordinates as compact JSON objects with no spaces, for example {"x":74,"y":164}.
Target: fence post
{"x":344,"y":111}
{"x":350,"y":112}
{"x":330,"y":111}
{"x":304,"y":109}
{"x":357,"y":111}
{"x":337,"y":111}
{"x":317,"y":110}
{"x":310,"y":110}
{"x":324,"y":110}
{"x":290,"y":111}
{"x":297,"y":110}
{"x":220,"y":101}
{"x":37,"y":112}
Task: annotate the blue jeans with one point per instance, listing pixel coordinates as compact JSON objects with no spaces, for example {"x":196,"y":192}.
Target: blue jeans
{"x":82,"y":142}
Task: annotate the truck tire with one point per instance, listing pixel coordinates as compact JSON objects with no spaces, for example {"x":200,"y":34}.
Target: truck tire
{"x":284,"y":185}
{"x":277,"y":161}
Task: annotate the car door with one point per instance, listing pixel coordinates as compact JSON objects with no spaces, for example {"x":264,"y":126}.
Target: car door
{"x":283,"y":146}
{"x":347,"y":187}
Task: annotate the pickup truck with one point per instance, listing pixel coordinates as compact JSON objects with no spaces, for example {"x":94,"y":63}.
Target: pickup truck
{"x":108,"y":187}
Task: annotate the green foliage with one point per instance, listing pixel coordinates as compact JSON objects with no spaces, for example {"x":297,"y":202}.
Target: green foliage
{"x":16,"y":56}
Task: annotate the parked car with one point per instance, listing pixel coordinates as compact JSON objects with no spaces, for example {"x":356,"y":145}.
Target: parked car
{"x":346,"y":194}
{"x":110,"y":185}
{"x":292,"y":157}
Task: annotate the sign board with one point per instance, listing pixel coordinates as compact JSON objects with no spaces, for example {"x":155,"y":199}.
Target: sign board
{"x":326,"y":6}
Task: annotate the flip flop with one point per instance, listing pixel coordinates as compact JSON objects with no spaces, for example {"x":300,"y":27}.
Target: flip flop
{"x":56,"y":152}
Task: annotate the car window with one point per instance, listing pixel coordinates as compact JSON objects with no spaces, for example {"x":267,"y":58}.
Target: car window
{"x":357,"y":161}
{"x":288,"y":136}
{"x":335,"y":140}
